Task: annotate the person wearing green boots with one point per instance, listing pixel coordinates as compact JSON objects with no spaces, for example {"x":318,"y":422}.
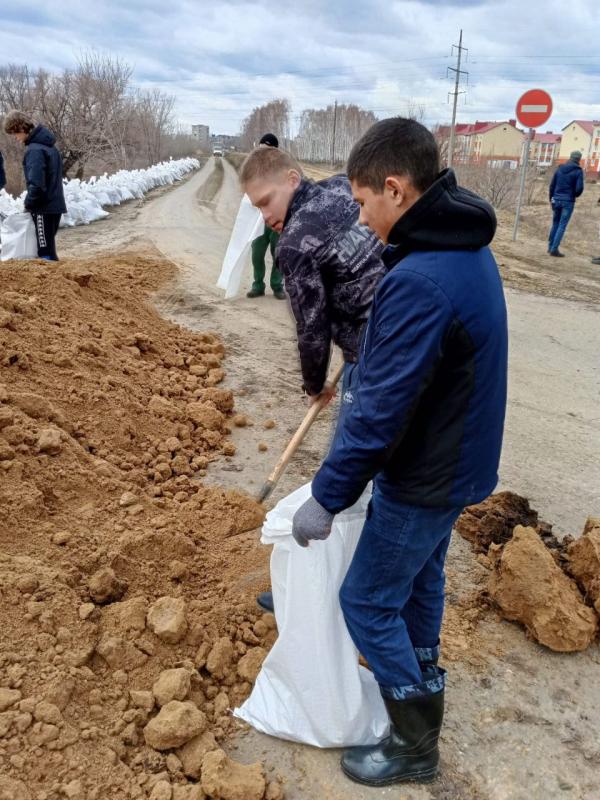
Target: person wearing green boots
{"x":267,"y":241}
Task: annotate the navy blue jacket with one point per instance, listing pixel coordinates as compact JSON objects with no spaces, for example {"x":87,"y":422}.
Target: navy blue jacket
{"x":331,"y":266}
{"x":42,"y":164}
{"x":427,"y":415}
{"x":2,"y":173}
{"x":567,"y":182}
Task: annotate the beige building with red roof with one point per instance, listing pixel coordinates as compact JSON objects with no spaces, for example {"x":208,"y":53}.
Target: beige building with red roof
{"x":545,"y":149}
{"x":486,"y":142}
{"x":582,"y":135}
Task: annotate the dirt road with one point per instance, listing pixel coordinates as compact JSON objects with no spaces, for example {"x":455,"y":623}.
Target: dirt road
{"x":522,"y":722}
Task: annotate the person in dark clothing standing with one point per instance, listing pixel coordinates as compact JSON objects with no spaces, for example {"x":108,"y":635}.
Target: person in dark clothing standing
{"x":42,"y":164}
{"x":2,"y":173}
{"x":566,"y":186}
{"x":425,"y":425}
{"x":268,"y":241}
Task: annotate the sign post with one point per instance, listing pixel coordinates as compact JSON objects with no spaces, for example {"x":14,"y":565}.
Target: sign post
{"x":533,"y":109}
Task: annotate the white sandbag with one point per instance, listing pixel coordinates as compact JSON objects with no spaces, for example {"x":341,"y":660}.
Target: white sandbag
{"x":18,"y":238}
{"x":311,"y":688}
{"x":248,"y":226}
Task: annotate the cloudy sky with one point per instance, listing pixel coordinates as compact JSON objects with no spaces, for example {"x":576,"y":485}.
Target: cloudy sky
{"x":222,"y":58}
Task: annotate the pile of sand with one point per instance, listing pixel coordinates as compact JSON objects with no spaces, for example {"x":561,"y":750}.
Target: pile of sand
{"x":128,"y":621}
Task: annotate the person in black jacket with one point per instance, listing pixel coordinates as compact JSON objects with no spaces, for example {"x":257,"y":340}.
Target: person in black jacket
{"x":2,"y":173}
{"x":330,"y":264}
{"x":42,"y":164}
{"x":566,"y":186}
{"x":425,"y":425}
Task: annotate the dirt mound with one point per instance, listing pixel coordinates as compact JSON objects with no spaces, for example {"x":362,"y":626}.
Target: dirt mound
{"x":494,"y":520}
{"x":123,"y":579}
{"x":583,"y":562}
{"x":529,"y":587}
{"x":532,"y":571}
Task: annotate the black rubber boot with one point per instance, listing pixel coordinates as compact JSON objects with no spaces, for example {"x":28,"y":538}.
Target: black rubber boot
{"x":265,"y":602}
{"x":410,"y":753}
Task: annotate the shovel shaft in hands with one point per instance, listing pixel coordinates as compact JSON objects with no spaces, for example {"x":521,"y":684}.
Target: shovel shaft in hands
{"x":296,"y":441}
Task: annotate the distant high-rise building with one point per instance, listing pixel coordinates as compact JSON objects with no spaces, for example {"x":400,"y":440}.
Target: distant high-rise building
{"x":202,"y":134}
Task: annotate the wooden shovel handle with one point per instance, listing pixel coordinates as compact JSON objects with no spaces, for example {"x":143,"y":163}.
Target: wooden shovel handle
{"x":296,"y":441}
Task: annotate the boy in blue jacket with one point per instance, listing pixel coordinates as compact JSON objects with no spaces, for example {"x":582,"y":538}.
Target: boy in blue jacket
{"x":425,"y":424}
{"x":42,"y":164}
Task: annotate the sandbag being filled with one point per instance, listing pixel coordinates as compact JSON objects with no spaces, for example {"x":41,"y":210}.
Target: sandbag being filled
{"x":311,"y":687}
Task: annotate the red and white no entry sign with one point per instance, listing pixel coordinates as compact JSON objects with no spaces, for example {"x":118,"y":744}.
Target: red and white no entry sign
{"x":534,"y":108}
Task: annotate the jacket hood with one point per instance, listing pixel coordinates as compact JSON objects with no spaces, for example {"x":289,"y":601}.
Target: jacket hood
{"x":445,"y":217}
{"x":571,"y":166}
{"x":41,"y":135}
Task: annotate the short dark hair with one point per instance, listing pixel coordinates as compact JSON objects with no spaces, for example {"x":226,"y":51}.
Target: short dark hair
{"x":18,"y":122}
{"x":396,"y":146}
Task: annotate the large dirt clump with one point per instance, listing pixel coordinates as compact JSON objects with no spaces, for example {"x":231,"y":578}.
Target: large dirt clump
{"x":529,"y":587}
{"x":120,"y":570}
{"x":550,"y":585}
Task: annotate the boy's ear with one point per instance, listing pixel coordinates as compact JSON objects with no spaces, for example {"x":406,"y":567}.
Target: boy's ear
{"x":395,"y":188}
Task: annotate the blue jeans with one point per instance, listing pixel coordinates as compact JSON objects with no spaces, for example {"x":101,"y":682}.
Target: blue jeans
{"x":561,"y":214}
{"x":393,"y":594}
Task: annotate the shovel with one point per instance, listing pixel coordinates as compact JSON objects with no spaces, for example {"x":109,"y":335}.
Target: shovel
{"x":296,"y":441}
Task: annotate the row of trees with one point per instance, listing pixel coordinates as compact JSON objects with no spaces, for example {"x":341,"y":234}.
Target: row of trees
{"x":324,"y":134}
{"x":272,"y":117}
{"x":100,"y":121}
{"x":328,"y":134}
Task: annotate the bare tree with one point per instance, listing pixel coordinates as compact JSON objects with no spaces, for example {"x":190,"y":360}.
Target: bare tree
{"x":272,"y":117}
{"x":315,"y":140}
{"x":99,"y":122}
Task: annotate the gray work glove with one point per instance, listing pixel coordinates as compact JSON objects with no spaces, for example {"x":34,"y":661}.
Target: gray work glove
{"x":311,"y":521}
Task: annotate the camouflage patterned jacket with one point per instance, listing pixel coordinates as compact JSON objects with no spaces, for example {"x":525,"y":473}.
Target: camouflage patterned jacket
{"x":331,"y":267}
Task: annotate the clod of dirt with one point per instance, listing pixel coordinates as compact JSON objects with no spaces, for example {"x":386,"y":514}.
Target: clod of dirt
{"x":262,"y":447}
{"x":128,"y":499}
{"x":172,"y":684}
{"x":269,"y":423}
{"x":166,"y":618}
{"x":274,"y":791}
{"x":493,"y":521}
{"x":220,"y":657}
{"x":119,"y":653}
{"x":162,"y":790}
{"x":174,"y":725}
{"x":249,"y":665}
{"x":192,"y":753}
{"x":11,"y":789}
{"x":8,"y":697}
{"x":239,"y":420}
{"x":223,"y":779}
{"x":49,"y":441}
{"x":583,"y":557}
{"x":529,"y":587}
{"x":206,"y":416}
{"x":105,"y":587}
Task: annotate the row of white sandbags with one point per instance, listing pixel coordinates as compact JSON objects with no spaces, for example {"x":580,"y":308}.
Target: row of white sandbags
{"x":86,"y":199}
